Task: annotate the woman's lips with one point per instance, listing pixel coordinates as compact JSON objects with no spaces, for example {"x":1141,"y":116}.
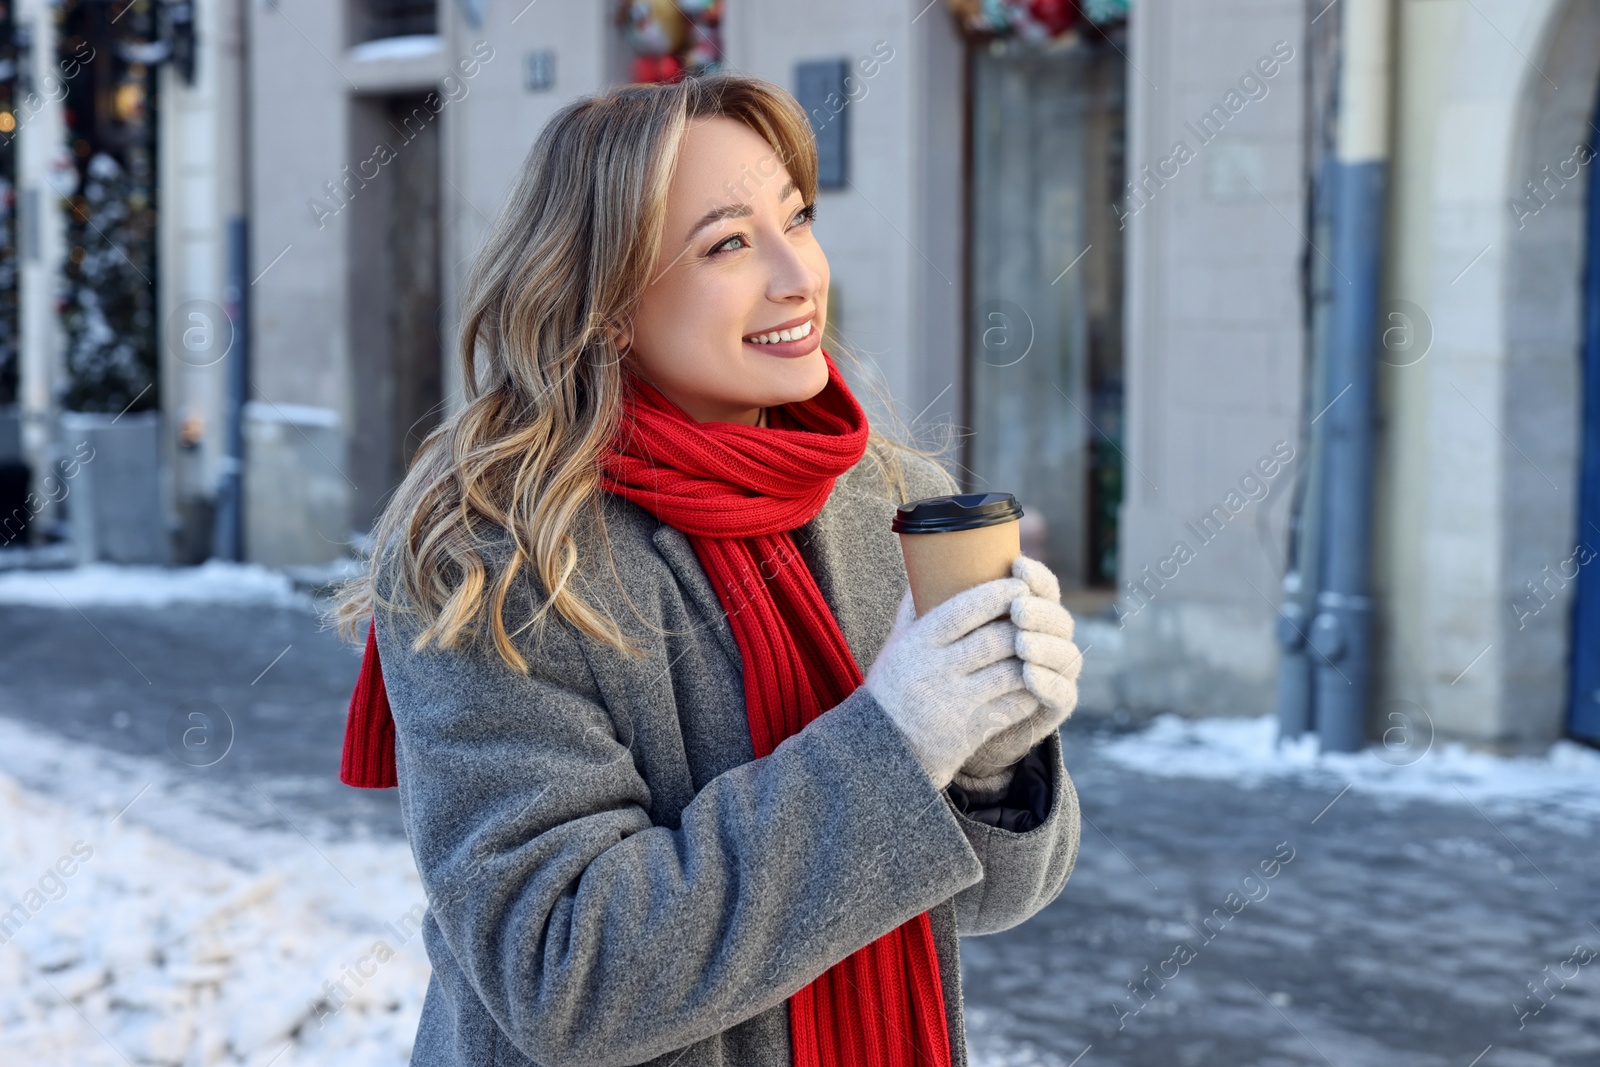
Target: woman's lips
{"x":789,"y":349}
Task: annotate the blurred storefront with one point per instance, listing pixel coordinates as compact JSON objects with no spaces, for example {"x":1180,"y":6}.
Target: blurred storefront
{"x":903,"y":187}
{"x":1080,"y":239}
{"x":107,"y":217}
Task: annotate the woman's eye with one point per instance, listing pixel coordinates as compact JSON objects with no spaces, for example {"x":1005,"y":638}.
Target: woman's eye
{"x":804,"y":216}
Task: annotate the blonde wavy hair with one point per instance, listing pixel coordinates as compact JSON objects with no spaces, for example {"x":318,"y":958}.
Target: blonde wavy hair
{"x":567,"y":263}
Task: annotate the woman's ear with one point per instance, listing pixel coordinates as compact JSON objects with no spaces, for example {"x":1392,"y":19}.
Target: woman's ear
{"x":621,"y":338}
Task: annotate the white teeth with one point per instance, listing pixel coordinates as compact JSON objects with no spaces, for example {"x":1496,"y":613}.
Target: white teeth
{"x":795,"y":334}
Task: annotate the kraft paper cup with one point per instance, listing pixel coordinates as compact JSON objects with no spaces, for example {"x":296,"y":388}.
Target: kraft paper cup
{"x":952,"y":543}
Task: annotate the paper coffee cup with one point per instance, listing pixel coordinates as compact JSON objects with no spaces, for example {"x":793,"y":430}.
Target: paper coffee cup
{"x":952,"y":543}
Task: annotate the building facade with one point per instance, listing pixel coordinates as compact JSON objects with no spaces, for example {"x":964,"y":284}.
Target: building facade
{"x":1486,"y":538}
{"x":1080,"y":252}
{"x":364,"y":137}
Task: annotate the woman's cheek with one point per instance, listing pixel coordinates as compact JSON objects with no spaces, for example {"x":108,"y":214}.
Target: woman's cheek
{"x":821,"y":257}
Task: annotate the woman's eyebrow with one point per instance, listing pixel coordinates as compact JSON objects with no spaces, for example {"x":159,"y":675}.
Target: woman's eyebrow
{"x":717,"y":214}
{"x":734,"y":211}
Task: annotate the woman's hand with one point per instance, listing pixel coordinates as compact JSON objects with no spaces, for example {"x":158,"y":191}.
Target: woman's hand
{"x":1051,"y":663}
{"x":953,"y":677}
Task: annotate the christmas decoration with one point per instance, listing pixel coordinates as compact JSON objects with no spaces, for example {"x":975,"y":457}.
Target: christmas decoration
{"x":671,"y":40}
{"x":1102,"y":11}
{"x":1034,"y":21}
{"x":106,"y":178}
{"x":704,"y":53}
{"x":107,"y":302}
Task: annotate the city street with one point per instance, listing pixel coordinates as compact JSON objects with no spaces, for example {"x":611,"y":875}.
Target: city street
{"x":1230,"y":905}
{"x":1271,"y":330}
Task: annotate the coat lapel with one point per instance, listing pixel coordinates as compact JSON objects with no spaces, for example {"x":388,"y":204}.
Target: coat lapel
{"x":855,"y":558}
{"x":852,"y":553}
{"x":674,"y":546}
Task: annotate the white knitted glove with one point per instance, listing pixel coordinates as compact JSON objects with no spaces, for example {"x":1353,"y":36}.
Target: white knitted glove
{"x":952,"y":678}
{"x":1051,"y":663}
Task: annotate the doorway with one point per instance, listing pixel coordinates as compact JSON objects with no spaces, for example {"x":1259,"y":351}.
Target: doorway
{"x":395,"y":291}
{"x":1044,"y":346}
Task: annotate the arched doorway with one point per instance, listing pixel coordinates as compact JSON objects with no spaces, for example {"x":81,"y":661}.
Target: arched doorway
{"x":1549,"y":504}
{"x":1495,"y":462}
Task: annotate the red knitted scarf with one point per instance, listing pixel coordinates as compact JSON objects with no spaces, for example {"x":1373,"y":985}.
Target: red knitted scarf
{"x":737,"y":491}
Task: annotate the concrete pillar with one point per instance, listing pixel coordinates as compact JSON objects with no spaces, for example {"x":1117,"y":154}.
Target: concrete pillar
{"x":1214,"y":348}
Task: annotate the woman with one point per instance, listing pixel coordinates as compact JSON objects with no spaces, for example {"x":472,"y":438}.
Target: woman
{"x":619,"y":604}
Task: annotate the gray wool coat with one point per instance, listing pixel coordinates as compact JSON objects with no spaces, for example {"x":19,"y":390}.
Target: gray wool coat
{"x":613,"y":878}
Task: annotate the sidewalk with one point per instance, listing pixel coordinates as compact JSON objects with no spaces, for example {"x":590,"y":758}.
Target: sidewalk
{"x":1401,"y":922}
{"x":1231,"y":905}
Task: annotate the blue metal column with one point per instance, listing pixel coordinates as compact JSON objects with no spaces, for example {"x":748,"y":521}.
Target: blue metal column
{"x":1341,"y":630}
{"x":229,"y":532}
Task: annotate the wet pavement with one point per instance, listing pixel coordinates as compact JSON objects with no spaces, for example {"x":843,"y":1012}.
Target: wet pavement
{"x":1396,"y":933}
{"x":230,"y":699}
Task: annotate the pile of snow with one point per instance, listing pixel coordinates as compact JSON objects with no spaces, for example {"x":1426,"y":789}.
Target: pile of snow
{"x":1246,"y":752}
{"x":118,"y":946}
{"x":117,"y":585}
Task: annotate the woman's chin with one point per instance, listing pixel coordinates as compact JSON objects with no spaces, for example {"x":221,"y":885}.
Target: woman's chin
{"x":804,"y":377}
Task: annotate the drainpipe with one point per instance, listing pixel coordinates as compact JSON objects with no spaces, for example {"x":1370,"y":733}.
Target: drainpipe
{"x":1302,"y":569}
{"x":228,"y":533}
{"x":1341,"y":631}
{"x":1296,"y":669}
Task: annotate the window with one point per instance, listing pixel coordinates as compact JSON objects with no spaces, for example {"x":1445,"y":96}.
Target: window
{"x":377,"y":19}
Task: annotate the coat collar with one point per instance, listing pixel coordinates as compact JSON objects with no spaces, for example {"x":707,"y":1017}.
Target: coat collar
{"x":851,"y":551}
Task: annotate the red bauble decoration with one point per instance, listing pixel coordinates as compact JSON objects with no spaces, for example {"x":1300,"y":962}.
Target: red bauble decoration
{"x":1056,"y":16}
{"x":656,"y":68}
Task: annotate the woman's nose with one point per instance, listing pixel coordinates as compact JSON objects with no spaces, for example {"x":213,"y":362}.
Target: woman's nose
{"x":793,"y":272}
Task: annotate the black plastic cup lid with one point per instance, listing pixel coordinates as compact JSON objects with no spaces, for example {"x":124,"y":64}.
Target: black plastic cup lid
{"x":962,"y":511}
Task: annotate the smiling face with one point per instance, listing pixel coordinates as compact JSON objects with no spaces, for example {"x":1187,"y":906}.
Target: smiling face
{"x":738,"y":272}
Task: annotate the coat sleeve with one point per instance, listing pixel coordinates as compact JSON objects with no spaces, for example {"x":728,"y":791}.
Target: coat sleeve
{"x":593,"y":936}
{"x":1023,"y":869}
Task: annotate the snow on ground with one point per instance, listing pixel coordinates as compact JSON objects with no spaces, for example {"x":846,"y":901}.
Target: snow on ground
{"x":1563,"y":783}
{"x":119,"y":946}
{"x":988,"y":1045}
{"x":116,"y":585}
{"x":143,"y":922}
